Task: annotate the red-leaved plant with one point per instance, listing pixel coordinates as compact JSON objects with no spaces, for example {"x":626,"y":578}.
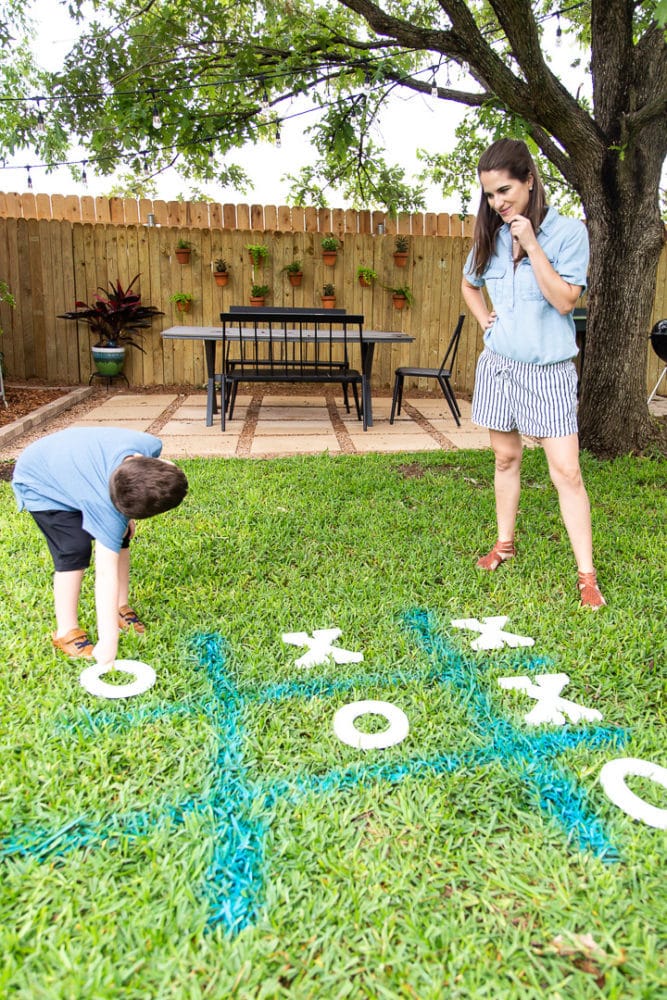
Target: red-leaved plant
{"x":116,"y":316}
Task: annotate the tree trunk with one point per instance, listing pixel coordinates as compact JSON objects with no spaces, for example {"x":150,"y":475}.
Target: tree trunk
{"x":626,"y":237}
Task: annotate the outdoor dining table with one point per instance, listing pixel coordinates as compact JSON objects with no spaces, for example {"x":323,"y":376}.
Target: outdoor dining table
{"x":212,"y":336}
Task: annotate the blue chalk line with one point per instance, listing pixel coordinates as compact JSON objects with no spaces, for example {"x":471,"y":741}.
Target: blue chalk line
{"x":242,"y":809}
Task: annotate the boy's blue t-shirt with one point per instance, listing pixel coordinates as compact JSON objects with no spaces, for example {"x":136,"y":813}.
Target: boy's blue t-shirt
{"x":70,"y":470}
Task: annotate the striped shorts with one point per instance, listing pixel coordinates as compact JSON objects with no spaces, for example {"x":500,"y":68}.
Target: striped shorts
{"x":536,"y":400}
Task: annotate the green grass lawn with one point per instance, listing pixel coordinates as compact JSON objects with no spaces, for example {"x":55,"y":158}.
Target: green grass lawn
{"x":213,"y":837}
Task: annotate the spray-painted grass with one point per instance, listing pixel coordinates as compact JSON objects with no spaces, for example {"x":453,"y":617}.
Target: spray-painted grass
{"x":212,"y":838}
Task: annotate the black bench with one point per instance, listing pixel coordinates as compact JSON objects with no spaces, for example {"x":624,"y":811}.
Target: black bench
{"x":289,"y":345}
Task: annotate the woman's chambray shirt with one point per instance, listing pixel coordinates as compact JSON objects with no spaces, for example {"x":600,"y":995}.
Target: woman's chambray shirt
{"x":529,"y":328}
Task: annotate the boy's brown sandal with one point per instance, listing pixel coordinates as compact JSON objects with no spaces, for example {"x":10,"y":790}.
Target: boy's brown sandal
{"x":127,"y":618}
{"x":498,"y":554}
{"x":589,"y":590}
{"x":74,"y":643}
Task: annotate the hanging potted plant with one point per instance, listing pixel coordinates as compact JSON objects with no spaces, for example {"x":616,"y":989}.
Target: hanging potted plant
{"x":221,"y":271}
{"x":115,"y":319}
{"x":183,"y":301}
{"x":328,"y":296}
{"x":183,"y":251}
{"x":330,"y":247}
{"x":294,"y":271}
{"x":401,"y":248}
{"x":366,"y":276}
{"x":257,"y":294}
{"x":258,"y":253}
{"x":401,"y":297}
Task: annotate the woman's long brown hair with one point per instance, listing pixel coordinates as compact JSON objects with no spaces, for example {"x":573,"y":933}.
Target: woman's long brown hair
{"x":513,"y":156}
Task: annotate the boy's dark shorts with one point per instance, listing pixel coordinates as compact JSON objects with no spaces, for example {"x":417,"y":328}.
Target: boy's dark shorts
{"x":69,"y":544}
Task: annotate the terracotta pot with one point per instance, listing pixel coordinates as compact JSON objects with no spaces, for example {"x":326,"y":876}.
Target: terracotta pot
{"x":364,"y":282}
{"x":183,"y":256}
{"x":295,"y":279}
{"x":256,"y":301}
{"x":401,"y":258}
{"x":399,"y":301}
{"x":329,"y":257}
{"x":221,"y":278}
{"x":328,"y":301}
{"x":183,"y":307}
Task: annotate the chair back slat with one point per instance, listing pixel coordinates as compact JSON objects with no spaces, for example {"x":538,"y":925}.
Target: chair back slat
{"x":452,"y":347}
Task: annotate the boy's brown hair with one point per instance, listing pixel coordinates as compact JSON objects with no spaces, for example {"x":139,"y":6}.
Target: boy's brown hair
{"x":143,"y":487}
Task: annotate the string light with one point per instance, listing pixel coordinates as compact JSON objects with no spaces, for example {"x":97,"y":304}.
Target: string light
{"x":84,"y":175}
{"x":279,"y":140}
{"x":157,"y":120}
{"x":264,"y":102}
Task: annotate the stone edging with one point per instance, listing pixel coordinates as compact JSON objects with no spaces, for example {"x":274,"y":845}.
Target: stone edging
{"x":43,"y":414}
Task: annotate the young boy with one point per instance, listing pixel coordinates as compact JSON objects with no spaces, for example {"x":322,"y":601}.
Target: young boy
{"x":85,"y":484}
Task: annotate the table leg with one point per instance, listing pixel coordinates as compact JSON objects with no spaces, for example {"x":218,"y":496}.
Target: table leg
{"x":211,"y":405}
{"x":367,"y":353}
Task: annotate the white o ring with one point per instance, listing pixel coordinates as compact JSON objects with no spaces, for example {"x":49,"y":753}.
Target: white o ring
{"x":91,"y":679}
{"x":347,"y":732}
{"x":612,"y":779}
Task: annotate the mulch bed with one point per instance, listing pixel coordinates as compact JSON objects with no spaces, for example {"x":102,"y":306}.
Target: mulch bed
{"x":22,"y":400}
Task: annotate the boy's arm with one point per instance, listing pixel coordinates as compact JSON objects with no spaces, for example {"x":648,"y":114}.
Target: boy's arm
{"x":106,"y":602}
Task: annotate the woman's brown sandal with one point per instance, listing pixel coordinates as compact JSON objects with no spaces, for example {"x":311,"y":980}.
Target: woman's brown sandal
{"x":127,"y":618}
{"x":589,"y":590}
{"x":74,"y":643}
{"x":498,"y":554}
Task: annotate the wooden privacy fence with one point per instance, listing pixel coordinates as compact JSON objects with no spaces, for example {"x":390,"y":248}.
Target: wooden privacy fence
{"x":212,"y":215}
{"x":50,"y":264}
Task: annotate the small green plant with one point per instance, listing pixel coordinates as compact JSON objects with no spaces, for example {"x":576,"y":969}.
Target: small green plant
{"x":328,"y":290}
{"x":401,"y":244}
{"x":259,"y":291}
{"x":366,"y":275}
{"x":182,"y":244}
{"x":330,"y":243}
{"x":258,"y":252}
{"x":181,"y":298}
{"x":402,"y":292}
{"x":294,"y":267}
{"x":221,"y":266}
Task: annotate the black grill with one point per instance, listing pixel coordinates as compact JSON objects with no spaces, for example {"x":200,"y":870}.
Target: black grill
{"x":659,"y":345}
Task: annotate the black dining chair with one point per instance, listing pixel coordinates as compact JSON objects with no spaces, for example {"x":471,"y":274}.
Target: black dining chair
{"x":443,"y":376}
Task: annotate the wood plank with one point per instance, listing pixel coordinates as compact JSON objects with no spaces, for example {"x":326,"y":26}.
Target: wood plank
{"x":270,"y":218}
{"x":43,"y":206}
{"x":87,"y":205}
{"x":229,"y":217}
{"x":243,"y":217}
{"x":312,"y":220}
{"x":284,"y":219}
{"x":102,"y":210}
{"x":257,"y":218}
{"x":215,"y":216}
{"x":131,"y":211}
{"x":161,"y":213}
{"x":28,"y":205}
{"x":12,"y":320}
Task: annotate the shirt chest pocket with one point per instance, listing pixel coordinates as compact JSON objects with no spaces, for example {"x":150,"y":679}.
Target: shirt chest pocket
{"x":526,"y":282}
{"x":498,"y":280}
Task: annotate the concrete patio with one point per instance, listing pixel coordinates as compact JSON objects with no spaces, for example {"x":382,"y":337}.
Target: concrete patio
{"x":268,"y":425}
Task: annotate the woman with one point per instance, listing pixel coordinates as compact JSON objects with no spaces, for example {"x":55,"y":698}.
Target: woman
{"x":533,"y":262}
